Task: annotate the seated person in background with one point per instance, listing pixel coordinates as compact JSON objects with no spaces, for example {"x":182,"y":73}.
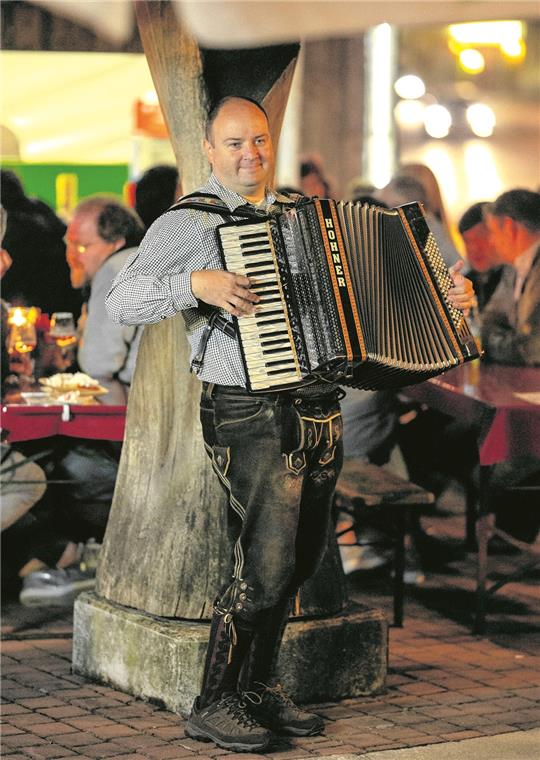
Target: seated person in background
{"x":404,"y":188}
{"x":29,"y":539}
{"x":485,"y":265}
{"x":101,"y":236}
{"x":33,"y":238}
{"x":358,"y":187}
{"x":312,"y":179}
{"x":156,"y":191}
{"x":511,"y":320}
{"x":511,"y":335}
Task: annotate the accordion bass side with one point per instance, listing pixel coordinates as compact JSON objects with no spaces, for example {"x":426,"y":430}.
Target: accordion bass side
{"x":350,"y":293}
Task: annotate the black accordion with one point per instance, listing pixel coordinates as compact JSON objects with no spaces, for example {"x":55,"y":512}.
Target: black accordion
{"x":350,"y":293}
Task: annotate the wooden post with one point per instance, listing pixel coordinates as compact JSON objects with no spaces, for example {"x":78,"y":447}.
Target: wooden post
{"x":165,"y":550}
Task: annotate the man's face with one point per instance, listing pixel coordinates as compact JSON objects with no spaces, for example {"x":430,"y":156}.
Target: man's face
{"x":502,"y":237}
{"x":479,"y":246}
{"x":85,"y":249}
{"x":240,"y":149}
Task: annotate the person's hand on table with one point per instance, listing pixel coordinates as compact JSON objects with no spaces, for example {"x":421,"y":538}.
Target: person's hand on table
{"x":227,"y":290}
{"x":462,"y":293}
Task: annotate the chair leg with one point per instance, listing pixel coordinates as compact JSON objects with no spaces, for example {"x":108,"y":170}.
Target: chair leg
{"x":399,"y":566}
{"x":471,"y":509}
{"x":483,"y":534}
{"x":484,"y":531}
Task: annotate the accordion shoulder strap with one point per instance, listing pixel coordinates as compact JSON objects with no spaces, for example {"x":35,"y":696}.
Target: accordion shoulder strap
{"x":214,"y":205}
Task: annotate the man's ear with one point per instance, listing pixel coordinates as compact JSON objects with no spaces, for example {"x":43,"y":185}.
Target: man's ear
{"x":209,"y":150}
{"x":119,"y":243}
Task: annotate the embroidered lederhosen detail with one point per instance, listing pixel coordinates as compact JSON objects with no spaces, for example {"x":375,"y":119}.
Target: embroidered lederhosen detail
{"x":311,"y":431}
{"x":221,"y":472}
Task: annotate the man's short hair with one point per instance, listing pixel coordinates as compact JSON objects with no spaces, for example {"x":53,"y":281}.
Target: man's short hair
{"x":216,"y":108}
{"x":113,"y":219}
{"x":473,"y":216}
{"x":522,"y":206}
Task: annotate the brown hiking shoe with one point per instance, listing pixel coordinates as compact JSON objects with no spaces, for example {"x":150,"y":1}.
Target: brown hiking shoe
{"x":229,"y":724}
{"x":279,"y":713}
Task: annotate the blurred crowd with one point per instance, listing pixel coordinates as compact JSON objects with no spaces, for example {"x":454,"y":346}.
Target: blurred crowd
{"x":57,"y":494}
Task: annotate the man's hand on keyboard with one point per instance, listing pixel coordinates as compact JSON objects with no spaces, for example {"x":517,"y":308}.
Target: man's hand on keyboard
{"x":227,"y":290}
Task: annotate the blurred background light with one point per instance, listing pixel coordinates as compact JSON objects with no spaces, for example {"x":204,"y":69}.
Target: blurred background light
{"x":472,"y":61}
{"x":514,"y":49}
{"x":443,"y":166}
{"x":409,"y":113}
{"x":409,"y":87}
{"x":20,"y":121}
{"x":481,"y":119}
{"x":437,"y":121}
{"x":486,"y":32}
{"x":150,"y":98}
{"x":379,"y":141}
{"x":481,"y":173}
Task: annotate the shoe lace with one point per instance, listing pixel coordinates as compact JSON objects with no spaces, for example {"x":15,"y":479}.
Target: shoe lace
{"x":276,"y":693}
{"x":237,"y":707}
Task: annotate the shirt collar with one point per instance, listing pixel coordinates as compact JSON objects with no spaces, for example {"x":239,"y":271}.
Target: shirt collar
{"x":523,"y":263}
{"x":233,"y":200}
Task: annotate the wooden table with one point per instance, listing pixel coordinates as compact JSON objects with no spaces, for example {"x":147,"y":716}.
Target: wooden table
{"x":506,"y":424}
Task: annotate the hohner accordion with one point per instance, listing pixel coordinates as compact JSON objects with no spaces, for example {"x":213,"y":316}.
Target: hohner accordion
{"x":349,"y":293}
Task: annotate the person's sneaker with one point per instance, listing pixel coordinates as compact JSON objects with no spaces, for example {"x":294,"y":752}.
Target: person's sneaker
{"x":363,"y":558}
{"x":56,"y":588}
{"x":229,"y":724}
{"x":278,"y":712}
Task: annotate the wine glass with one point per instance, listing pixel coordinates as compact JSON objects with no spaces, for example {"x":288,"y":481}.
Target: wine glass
{"x":63,"y":330}
{"x":21,"y":341}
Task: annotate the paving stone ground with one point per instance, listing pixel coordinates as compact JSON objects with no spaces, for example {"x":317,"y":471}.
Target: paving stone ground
{"x":444,"y":684}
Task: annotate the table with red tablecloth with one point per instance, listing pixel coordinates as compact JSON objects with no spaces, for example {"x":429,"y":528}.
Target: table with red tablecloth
{"x":94,"y":421}
{"x":501,"y":405}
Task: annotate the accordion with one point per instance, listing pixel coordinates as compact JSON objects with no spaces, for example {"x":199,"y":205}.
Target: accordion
{"x":350,"y":293}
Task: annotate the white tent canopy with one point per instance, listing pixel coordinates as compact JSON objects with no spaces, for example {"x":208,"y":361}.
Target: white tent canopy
{"x":249,"y":23}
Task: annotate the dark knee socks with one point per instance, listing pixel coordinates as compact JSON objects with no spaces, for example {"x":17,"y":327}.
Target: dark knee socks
{"x":227,"y":649}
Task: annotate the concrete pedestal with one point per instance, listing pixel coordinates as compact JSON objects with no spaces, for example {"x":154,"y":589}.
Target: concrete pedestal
{"x":321,"y":659}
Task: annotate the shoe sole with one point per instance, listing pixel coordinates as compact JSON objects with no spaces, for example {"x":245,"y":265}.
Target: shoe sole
{"x":300,"y":731}
{"x":200,"y":735}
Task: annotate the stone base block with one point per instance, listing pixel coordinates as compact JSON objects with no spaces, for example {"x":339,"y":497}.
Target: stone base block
{"x":162,"y":660}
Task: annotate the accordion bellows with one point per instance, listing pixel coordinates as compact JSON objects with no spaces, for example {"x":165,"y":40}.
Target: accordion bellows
{"x":350,"y":293}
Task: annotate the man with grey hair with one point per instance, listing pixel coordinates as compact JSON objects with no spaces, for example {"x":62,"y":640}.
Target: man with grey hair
{"x":511,"y":320}
{"x":100,"y":238}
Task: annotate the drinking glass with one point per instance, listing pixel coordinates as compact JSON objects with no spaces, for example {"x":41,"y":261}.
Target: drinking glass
{"x":63,"y":330}
{"x":21,"y":341}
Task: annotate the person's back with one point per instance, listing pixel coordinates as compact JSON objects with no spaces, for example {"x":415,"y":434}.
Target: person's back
{"x":39,"y":275}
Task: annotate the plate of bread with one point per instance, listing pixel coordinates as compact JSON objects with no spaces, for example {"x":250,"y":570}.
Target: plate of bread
{"x":73,"y":383}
